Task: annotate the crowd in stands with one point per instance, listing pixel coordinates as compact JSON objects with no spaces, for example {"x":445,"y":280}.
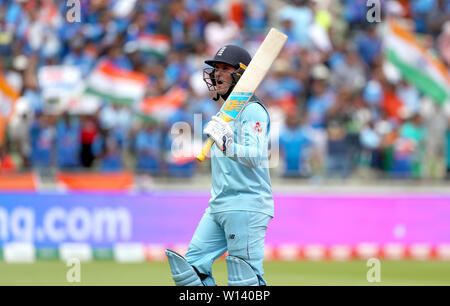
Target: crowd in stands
{"x":337,"y":108}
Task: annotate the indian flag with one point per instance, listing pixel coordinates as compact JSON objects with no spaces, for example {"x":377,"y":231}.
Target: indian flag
{"x":116,"y":84}
{"x":160,"y":108}
{"x":416,"y":64}
{"x":8,"y":97}
{"x":157,"y":45}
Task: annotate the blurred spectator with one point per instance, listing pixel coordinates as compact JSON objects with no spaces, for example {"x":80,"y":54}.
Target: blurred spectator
{"x":340,"y":149}
{"x":282,"y":84}
{"x":438,"y":14}
{"x":350,"y":72}
{"x":301,"y":17}
{"x":322,"y":98}
{"x":389,"y":148}
{"x":373,"y":91}
{"x":179,"y":143}
{"x":295,"y":147}
{"x":444,"y":42}
{"x":182,"y":114}
{"x":178,"y":71}
{"x":420,"y":10}
{"x":219,"y":32}
{"x":391,"y":103}
{"x":148,"y":143}
{"x":109,"y":152}
{"x":42,"y":141}
{"x":371,"y":146}
{"x":174,"y":23}
{"x":117,"y":57}
{"x":357,"y":108}
{"x":81,"y":55}
{"x":141,"y":24}
{"x":318,"y":29}
{"x":410,"y":97}
{"x":40,"y":36}
{"x":410,"y":148}
{"x":339,"y":27}
{"x":15,"y":76}
{"x":322,"y":13}
{"x":117,"y":120}
{"x":68,"y":142}
{"x":19,"y":131}
{"x":88,"y":134}
{"x":256,"y":15}
{"x":355,"y":12}
{"x":98,"y":25}
{"x":287,"y":28}
{"x":30,"y":88}
{"x":369,"y":45}
{"x":179,"y":17}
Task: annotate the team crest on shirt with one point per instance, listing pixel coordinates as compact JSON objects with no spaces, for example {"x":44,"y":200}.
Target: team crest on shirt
{"x":258,"y":127}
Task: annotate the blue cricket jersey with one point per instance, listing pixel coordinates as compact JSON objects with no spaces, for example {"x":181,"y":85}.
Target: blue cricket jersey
{"x":241,"y":178}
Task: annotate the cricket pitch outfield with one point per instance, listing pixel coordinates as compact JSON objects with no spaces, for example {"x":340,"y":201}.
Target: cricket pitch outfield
{"x":277,"y":273}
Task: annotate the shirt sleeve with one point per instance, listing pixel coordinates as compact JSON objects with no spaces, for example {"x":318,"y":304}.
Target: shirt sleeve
{"x":251,"y":137}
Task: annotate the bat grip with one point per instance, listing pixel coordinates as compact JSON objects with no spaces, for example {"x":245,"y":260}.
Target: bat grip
{"x":206,"y":148}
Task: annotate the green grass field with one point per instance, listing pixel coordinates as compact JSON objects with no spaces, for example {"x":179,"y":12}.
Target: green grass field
{"x":302,"y":273}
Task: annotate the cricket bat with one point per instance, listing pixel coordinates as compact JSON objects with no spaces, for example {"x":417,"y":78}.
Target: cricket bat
{"x":249,"y":81}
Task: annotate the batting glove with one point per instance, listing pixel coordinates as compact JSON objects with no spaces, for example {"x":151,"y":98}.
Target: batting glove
{"x":221,"y":132}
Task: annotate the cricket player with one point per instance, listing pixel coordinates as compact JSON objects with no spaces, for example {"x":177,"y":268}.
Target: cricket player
{"x":241,"y":203}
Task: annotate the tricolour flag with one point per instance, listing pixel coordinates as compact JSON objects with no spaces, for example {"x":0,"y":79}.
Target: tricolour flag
{"x":416,"y":63}
{"x":154,"y":44}
{"x":160,"y":108}
{"x":8,"y":97}
{"x":116,"y":84}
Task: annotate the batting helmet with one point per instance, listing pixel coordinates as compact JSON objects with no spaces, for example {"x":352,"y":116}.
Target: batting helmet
{"x":231,"y":55}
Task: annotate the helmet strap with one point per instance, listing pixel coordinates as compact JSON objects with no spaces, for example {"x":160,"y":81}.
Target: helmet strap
{"x":225,"y":95}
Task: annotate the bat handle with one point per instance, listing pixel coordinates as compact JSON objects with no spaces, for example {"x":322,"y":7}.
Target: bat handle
{"x":206,"y":148}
